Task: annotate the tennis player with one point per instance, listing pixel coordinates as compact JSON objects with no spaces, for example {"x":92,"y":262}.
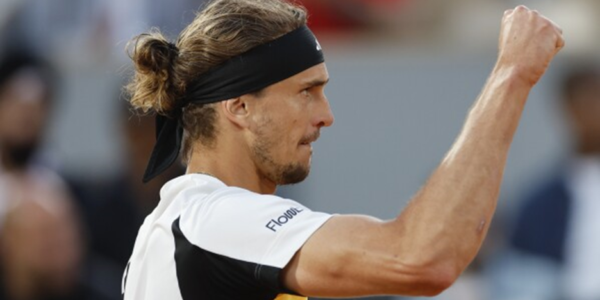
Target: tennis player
{"x":241,"y":96}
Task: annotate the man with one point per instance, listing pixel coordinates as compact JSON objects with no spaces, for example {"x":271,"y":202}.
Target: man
{"x":554,"y":242}
{"x":41,"y":246}
{"x":242,"y":94}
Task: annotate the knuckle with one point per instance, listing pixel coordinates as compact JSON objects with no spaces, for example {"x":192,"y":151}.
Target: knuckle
{"x":521,"y":8}
{"x":549,"y":25}
{"x":544,"y":23}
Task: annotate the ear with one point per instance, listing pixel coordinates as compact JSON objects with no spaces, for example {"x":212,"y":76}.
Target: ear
{"x":236,"y":111}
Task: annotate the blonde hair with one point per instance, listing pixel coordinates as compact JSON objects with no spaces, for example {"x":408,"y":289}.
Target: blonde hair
{"x":222,"y":30}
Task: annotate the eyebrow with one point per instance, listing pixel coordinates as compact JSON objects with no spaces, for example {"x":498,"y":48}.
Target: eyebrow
{"x":315,"y":83}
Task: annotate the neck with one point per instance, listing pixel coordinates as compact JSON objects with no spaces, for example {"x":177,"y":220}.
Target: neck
{"x":232,"y":165}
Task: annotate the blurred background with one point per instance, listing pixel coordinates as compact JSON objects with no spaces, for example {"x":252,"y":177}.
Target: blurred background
{"x":404,"y":74}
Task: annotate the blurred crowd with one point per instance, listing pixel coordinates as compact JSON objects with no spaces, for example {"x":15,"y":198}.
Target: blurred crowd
{"x":60,"y":237}
{"x":64,"y":235}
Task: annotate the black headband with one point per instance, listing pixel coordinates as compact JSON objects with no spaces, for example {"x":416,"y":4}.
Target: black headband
{"x":252,"y":71}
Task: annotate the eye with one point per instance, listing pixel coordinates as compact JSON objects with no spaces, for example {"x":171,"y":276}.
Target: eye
{"x":306,"y":92}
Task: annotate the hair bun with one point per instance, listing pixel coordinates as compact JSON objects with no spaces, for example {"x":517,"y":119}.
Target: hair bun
{"x":154,"y":85}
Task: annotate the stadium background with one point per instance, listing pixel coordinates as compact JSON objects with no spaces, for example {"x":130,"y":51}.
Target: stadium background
{"x":404,"y":73}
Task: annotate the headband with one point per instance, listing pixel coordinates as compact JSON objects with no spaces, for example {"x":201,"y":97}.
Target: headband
{"x":249,"y":72}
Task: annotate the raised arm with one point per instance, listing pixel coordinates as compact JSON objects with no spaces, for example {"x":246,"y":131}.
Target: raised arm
{"x":433,"y":240}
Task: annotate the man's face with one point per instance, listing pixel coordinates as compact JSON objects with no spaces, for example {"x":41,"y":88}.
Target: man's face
{"x":23,"y":112}
{"x":287,"y":119}
{"x":584,"y":111}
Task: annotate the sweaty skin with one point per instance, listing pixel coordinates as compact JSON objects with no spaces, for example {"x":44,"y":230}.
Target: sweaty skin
{"x":429,"y":244}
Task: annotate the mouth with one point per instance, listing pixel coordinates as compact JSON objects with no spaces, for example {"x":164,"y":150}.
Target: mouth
{"x":306,"y":146}
{"x":307,"y":141}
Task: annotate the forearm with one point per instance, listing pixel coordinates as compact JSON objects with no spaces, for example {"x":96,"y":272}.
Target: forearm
{"x":446,"y":222}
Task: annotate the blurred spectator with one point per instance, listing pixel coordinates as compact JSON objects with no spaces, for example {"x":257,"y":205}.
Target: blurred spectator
{"x":115,"y":209}
{"x":555,"y":249}
{"x":40,"y":245}
{"x":26,"y":84}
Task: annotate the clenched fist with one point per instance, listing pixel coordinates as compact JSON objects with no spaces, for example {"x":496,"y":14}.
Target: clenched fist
{"x":528,"y":42}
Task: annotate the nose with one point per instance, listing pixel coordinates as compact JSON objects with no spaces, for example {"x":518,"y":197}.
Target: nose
{"x":325,"y":116}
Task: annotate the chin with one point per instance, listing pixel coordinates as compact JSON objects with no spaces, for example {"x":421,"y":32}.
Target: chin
{"x":293,"y":174}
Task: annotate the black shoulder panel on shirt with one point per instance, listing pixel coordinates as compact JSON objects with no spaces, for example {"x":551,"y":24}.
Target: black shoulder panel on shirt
{"x":203,"y":275}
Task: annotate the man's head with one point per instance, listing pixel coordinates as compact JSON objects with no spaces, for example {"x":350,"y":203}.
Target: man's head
{"x":581,"y":100}
{"x":270,"y":127}
{"x":26,"y":87}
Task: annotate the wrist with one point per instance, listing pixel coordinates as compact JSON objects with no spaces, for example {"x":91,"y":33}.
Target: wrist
{"x":515,"y":75}
{"x":506,"y":90}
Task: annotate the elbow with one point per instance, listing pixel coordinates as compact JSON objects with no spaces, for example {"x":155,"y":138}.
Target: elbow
{"x":427,"y":281}
{"x":434,"y":282}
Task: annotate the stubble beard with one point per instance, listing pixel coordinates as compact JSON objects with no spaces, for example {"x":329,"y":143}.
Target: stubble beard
{"x":280,"y":174}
